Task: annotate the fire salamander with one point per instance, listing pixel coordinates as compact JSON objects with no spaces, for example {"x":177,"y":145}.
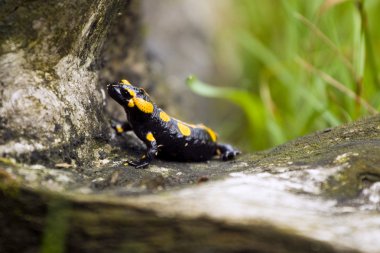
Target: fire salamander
{"x":164,"y":136}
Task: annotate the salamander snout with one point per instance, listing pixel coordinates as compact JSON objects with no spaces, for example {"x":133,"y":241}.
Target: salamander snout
{"x":116,"y":91}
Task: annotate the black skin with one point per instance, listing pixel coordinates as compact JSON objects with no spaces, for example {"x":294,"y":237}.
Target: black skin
{"x":168,"y":142}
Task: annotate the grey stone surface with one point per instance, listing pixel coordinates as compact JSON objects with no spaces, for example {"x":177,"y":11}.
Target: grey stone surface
{"x":50,"y":100}
{"x":317,"y":193}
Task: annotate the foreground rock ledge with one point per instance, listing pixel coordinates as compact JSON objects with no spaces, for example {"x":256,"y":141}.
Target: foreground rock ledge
{"x":319,"y":193}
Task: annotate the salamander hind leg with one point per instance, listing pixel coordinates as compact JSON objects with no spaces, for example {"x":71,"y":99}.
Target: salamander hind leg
{"x":227,"y":152}
{"x":150,"y":154}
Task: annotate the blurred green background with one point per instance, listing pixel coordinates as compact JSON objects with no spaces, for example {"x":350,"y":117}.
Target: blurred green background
{"x":302,"y":66}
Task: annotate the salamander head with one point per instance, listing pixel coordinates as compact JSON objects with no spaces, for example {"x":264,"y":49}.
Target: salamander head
{"x":130,"y":96}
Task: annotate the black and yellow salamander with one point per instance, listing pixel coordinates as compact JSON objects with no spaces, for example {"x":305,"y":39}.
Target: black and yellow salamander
{"x":164,"y":136}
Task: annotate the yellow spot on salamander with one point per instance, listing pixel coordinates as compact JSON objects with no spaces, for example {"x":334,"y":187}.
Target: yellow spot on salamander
{"x":131,"y":92}
{"x":119,"y":129}
{"x":164,"y":117}
{"x":125,"y":82}
{"x":185,"y":130}
{"x":150,"y":137}
{"x":131,"y":103}
{"x":144,"y":106}
{"x":210,"y":132}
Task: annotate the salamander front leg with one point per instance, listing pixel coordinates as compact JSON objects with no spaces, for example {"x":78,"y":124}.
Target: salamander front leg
{"x":120,"y":127}
{"x":151,"y":153}
{"x":227,"y":152}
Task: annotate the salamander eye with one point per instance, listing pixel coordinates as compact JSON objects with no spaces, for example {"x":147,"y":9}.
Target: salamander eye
{"x":126,"y":93}
{"x":141,"y":91}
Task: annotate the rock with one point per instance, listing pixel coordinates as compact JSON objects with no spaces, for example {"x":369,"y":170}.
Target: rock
{"x":318,"y":193}
{"x":52,"y":56}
